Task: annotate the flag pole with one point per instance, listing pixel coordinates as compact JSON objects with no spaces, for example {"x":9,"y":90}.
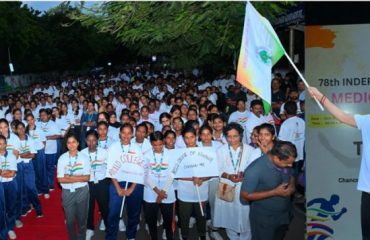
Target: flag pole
{"x":123,"y":201}
{"x":200,"y":203}
{"x":301,"y":76}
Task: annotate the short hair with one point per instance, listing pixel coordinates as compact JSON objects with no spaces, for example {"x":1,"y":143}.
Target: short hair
{"x":156,"y":136}
{"x":191,"y":123}
{"x":290,"y":108}
{"x":169,"y":132}
{"x":234,"y":126}
{"x":205,"y":127}
{"x":3,"y":120}
{"x":102,"y":123}
{"x":269,"y":127}
{"x":283,"y":150}
{"x":93,"y":133}
{"x":144,"y":126}
{"x":188,"y":129}
{"x":164,"y":115}
{"x":256,"y":102}
{"x":72,"y":135}
{"x":3,"y":138}
{"x":126,"y":125}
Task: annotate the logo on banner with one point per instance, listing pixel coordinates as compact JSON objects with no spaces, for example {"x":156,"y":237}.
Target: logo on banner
{"x":319,"y":212}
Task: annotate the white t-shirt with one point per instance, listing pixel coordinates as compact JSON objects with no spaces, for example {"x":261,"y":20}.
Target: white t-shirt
{"x":105,"y":144}
{"x":158,"y":175}
{"x":78,"y":166}
{"x":38,"y":137}
{"x":293,"y":130}
{"x":7,"y":162}
{"x":62,"y":125}
{"x":49,"y":128}
{"x":27,"y":145}
{"x":240,"y":117}
{"x":362,"y":122}
{"x":98,"y":163}
{"x":145,"y":146}
{"x":113,"y":133}
{"x":13,"y":143}
{"x":180,"y":143}
{"x":115,"y":152}
{"x":252,"y":122}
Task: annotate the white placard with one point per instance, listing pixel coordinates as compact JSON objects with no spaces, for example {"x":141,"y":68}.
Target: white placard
{"x":194,"y":162}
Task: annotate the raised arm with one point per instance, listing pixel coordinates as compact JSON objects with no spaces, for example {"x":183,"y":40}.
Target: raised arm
{"x":334,"y":110}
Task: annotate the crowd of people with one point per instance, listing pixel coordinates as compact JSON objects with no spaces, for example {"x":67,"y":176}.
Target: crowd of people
{"x":78,"y":125}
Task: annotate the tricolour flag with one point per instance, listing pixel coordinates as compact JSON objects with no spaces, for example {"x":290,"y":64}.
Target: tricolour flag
{"x":260,"y":50}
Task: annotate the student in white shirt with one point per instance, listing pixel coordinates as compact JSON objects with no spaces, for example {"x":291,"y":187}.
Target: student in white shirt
{"x":8,"y":164}
{"x":293,"y":130}
{"x":241,"y":115}
{"x":218,"y":124}
{"x":140,"y":138}
{"x":133,"y":193}
{"x":39,"y":163}
{"x":256,"y":118}
{"x":98,"y":184}
{"x":159,"y":193}
{"x":52,"y":133}
{"x":104,"y":141}
{"x":187,"y":195}
{"x":234,"y":157}
{"x":73,"y":174}
{"x":113,"y":132}
{"x":26,"y":155}
{"x":178,"y":125}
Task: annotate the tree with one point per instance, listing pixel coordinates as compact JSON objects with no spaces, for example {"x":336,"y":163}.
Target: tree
{"x":187,"y":33}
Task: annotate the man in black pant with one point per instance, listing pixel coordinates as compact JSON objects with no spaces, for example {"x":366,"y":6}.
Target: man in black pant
{"x":267,"y":186}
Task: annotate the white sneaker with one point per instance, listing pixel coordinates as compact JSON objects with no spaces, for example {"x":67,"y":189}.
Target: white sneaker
{"x":102,"y":225}
{"x":89,"y":234}
{"x":215,"y":235}
{"x":18,"y":224}
{"x":160,"y":222}
{"x":122,"y":226}
{"x":180,"y":236}
{"x":146,"y":227}
{"x":192,"y":221}
{"x":46,"y":196}
{"x":164,"y":236}
{"x":12,"y":235}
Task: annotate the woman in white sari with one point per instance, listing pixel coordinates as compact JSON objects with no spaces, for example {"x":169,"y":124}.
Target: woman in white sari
{"x":234,"y":157}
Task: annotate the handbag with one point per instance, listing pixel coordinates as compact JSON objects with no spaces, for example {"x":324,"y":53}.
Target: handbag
{"x":226,"y":191}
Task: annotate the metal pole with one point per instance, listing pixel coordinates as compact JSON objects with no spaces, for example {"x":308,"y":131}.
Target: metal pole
{"x":291,"y":42}
{"x":10,"y":60}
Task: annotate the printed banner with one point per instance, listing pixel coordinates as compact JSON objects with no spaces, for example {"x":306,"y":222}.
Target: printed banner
{"x":337,"y":64}
{"x":194,"y":162}
{"x":128,"y":167}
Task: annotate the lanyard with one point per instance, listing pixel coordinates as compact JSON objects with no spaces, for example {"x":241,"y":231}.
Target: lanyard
{"x":4,"y":164}
{"x":91,"y":161}
{"x":157,"y":167}
{"x":44,"y":126}
{"x":72,"y":167}
{"x":123,"y":150}
{"x":25,"y":145}
{"x":235,"y":163}
{"x":105,"y":144}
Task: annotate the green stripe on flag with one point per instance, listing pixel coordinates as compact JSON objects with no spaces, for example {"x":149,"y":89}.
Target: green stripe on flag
{"x":266,"y":106}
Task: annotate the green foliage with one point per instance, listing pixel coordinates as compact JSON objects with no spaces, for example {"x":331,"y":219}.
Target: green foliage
{"x":188,"y":33}
{"x":47,"y":42}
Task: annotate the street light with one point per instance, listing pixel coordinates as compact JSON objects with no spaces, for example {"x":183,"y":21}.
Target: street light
{"x":154,"y":58}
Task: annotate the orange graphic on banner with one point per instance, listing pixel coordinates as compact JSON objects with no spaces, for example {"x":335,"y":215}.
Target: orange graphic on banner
{"x":317,"y":36}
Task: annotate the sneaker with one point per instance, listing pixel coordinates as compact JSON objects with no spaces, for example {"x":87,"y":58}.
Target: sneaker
{"x":89,"y":234}
{"x":12,"y":235}
{"x":18,"y":224}
{"x":102,"y":225}
{"x":215,"y":235}
{"x":122,"y":226}
{"x":192,"y":221}
{"x":164,"y":236}
{"x":180,"y":236}
{"x":46,"y":196}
